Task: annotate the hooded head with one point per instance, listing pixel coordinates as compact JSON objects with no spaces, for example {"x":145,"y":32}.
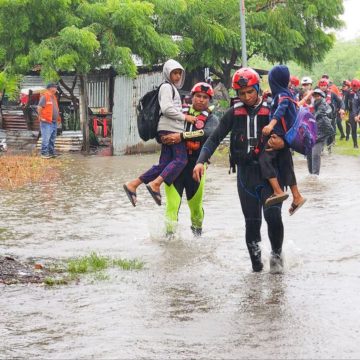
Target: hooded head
{"x":279,"y":77}
{"x":171,"y":65}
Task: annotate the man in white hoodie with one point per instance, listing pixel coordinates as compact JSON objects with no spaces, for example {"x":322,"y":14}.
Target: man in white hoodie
{"x":173,"y":157}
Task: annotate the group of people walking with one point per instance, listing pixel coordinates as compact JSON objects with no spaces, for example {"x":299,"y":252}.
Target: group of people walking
{"x":190,"y":133}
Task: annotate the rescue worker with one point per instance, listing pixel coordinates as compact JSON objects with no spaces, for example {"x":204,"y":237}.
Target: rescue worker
{"x":306,"y":87}
{"x":354,"y":111}
{"x":337,"y":106}
{"x":294,"y":86}
{"x":49,"y":116}
{"x":194,"y":137}
{"x":245,"y":121}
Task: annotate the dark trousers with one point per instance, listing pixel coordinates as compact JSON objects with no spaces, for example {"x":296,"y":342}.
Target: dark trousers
{"x":253,"y":190}
{"x":173,"y":159}
{"x":351,"y":126}
{"x":340,"y":127}
{"x":331,"y":139}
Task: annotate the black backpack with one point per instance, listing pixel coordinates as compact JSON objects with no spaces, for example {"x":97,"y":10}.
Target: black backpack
{"x":148,"y":113}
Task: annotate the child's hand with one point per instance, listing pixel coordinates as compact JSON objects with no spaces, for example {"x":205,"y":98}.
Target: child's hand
{"x":267,"y":129}
{"x":190,"y":119}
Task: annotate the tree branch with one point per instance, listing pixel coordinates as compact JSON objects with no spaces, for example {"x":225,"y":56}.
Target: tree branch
{"x":271,"y":4}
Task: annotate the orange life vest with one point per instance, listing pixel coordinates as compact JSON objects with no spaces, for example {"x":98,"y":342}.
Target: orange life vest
{"x":47,"y":110}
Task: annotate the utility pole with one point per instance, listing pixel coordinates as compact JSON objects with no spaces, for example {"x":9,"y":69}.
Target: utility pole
{"x":243,"y":33}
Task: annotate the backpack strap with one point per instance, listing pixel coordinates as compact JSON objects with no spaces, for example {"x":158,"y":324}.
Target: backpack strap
{"x":282,"y":98}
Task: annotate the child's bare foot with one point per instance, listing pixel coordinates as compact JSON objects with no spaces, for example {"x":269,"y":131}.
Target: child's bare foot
{"x":298,"y":199}
{"x":154,"y":187}
{"x":130,"y":185}
{"x":296,"y":204}
{"x":154,"y":193}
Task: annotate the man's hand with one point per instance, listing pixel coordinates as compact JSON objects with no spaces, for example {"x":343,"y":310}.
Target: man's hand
{"x":275,"y":143}
{"x":342,"y":113}
{"x":171,"y":139}
{"x":198,"y":172}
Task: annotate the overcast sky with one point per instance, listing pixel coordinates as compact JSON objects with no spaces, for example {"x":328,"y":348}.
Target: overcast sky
{"x":352,"y":19}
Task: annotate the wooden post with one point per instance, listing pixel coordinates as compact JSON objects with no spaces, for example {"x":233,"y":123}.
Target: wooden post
{"x":84,"y":115}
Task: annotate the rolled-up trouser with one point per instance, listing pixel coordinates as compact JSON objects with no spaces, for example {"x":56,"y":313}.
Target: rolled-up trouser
{"x":173,"y":159}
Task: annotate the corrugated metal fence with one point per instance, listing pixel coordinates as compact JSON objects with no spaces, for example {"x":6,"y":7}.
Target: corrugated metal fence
{"x":98,"y":87}
{"x":127,"y":93}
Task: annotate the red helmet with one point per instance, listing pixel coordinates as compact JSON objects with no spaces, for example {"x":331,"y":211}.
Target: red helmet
{"x":294,"y":80}
{"x":245,"y":77}
{"x":204,"y":88}
{"x":323,"y":82}
{"x":355,"y":83}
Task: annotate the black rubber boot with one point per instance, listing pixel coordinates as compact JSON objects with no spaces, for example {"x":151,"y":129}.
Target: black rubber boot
{"x":196,"y":231}
{"x":255,"y":256}
{"x":276,"y":263}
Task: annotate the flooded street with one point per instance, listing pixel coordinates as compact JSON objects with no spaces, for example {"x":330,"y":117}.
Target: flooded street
{"x":196,"y":297}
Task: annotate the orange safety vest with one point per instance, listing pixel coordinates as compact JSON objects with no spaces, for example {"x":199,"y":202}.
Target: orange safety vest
{"x":47,"y":110}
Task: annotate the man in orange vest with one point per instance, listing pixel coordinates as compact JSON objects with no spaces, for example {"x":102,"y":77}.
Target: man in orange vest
{"x":49,"y":116}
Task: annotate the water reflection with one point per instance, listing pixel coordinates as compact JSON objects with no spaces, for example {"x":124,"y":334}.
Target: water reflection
{"x":196,"y":297}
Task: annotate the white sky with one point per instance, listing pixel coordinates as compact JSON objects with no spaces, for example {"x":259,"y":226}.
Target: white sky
{"x":351,"y":17}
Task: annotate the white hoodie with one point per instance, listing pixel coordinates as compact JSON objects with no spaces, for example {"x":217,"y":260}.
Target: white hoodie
{"x":171,"y":119}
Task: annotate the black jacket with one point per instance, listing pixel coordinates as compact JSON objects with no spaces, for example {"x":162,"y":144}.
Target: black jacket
{"x":323,"y":119}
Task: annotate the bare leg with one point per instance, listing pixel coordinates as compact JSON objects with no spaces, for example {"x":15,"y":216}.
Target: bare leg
{"x":275,"y":186}
{"x":133,"y":184}
{"x":155,"y":184}
{"x":297,"y":197}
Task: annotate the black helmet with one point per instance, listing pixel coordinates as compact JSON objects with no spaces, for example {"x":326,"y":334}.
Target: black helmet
{"x":319,"y":92}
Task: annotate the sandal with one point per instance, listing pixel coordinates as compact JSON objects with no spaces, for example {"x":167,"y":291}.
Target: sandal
{"x":295,"y":207}
{"x":130,"y":194}
{"x":275,"y":199}
{"x":155,"y":195}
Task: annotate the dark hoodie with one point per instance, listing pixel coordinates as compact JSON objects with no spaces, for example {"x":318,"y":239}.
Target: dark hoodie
{"x":323,"y":120}
{"x":279,"y":77}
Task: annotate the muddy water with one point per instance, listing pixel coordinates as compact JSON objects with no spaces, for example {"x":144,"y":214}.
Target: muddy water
{"x":196,"y":298}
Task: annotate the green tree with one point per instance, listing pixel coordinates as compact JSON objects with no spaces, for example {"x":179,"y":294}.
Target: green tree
{"x":340,"y":63}
{"x":278,"y":30}
{"x":90,"y":34}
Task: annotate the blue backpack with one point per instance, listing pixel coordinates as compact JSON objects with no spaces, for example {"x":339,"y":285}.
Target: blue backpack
{"x":302,"y":136}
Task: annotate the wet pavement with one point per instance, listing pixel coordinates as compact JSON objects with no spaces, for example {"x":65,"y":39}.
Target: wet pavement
{"x":196,"y":297}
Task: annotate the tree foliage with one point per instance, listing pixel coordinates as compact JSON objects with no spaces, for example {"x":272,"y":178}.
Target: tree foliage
{"x":341,"y":63}
{"x":79,"y":35}
{"x":278,"y":30}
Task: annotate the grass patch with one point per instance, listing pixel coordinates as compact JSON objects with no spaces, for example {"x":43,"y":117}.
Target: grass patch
{"x":17,"y":171}
{"x":343,"y":147}
{"x":90,"y":263}
{"x":96,"y":263}
{"x":128,"y":264}
{"x":50,"y":281}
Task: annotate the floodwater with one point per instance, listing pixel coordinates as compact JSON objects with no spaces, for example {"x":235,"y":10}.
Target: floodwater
{"x":196,"y":297}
